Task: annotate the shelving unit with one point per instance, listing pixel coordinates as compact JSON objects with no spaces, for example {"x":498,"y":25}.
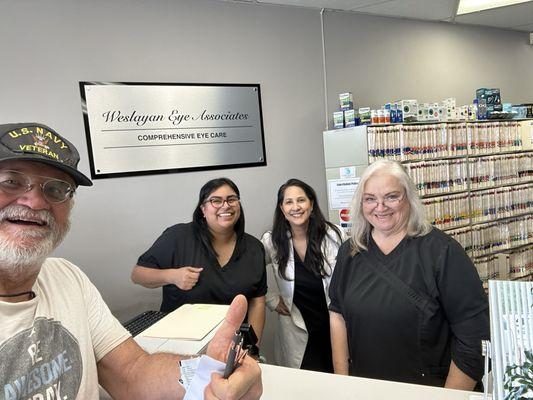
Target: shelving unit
{"x":475,"y":179}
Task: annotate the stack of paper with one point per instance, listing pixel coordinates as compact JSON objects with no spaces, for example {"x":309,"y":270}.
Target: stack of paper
{"x":189,"y":322}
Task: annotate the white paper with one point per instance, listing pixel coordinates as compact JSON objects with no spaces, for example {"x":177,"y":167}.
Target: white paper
{"x":202,"y":377}
{"x":189,"y":322}
{"x":188,"y":369}
{"x":341,"y":192}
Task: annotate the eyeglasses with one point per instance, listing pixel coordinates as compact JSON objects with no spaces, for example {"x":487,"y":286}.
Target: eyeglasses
{"x":54,"y":190}
{"x":391,"y":200}
{"x":218,"y":202}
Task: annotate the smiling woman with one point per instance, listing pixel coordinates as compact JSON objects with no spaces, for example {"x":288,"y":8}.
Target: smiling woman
{"x":406,"y":301}
{"x":301,"y":251}
{"x":209,"y":260}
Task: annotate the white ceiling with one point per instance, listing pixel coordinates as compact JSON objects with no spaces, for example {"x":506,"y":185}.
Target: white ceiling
{"x":516,"y":17}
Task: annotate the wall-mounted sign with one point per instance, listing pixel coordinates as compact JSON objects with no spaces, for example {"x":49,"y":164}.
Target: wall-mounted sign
{"x":149,"y":128}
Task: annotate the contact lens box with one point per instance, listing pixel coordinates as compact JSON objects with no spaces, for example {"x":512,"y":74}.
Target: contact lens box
{"x":364,"y":115}
{"x":409,"y":110}
{"x":346,"y":101}
{"x":338,"y":120}
{"x":349,"y":118}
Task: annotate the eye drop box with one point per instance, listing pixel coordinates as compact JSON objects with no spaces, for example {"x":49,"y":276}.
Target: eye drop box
{"x":338,"y":120}
{"x":346,"y":101}
{"x":409,"y":110}
{"x":349,"y":118}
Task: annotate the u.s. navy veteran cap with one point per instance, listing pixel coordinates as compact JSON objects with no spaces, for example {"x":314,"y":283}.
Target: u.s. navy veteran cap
{"x":37,"y":142}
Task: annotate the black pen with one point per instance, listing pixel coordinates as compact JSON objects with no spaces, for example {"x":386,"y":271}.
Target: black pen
{"x":234,"y":347}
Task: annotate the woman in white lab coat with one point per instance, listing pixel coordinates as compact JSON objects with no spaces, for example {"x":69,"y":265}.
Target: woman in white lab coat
{"x":300,"y":252}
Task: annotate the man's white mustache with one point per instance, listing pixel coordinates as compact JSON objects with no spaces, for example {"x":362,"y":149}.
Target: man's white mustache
{"x":24,"y":213}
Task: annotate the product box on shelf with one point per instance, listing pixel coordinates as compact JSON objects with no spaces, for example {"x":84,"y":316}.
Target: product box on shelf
{"x":349,"y":118}
{"x":492,"y":97}
{"x":409,"y":110}
{"x":365,"y":116}
{"x":529,"y":109}
{"x":449,"y":102}
{"x":338,"y":120}
{"x":481,"y":109}
{"x":519,"y":112}
{"x":346,"y":101}
{"x":399,"y":111}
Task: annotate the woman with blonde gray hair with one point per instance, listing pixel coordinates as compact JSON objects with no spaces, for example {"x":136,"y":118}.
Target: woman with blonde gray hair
{"x":407,"y":303}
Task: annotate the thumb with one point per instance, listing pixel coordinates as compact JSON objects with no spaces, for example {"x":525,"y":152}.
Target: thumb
{"x":232,"y":323}
{"x":196,"y":269}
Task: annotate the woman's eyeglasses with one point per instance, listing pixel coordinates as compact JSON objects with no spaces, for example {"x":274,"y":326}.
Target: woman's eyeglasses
{"x":391,"y":200}
{"x":218,"y":202}
{"x":54,"y":190}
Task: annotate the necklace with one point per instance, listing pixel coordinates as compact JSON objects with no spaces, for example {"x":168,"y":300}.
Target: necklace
{"x":31,"y":293}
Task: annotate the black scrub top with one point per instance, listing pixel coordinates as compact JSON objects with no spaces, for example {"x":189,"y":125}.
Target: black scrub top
{"x":310,"y":299}
{"x":410,"y":312}
{"x":177,"y":247}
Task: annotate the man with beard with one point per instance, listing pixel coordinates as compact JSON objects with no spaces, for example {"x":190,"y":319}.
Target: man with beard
{"x":58,"y":339}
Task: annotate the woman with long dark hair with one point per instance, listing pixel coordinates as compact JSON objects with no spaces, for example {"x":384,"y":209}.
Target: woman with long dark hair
{"x":301,"y":251}
{"x":209,"y":260}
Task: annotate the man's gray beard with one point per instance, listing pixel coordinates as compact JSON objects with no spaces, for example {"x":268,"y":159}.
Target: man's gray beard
{"x":20,"y":259}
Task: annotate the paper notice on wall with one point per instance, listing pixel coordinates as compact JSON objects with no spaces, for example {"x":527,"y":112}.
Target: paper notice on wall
{"x":341,"y":192}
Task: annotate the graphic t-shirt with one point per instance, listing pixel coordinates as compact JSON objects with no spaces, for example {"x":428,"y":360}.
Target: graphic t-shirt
{"x":49,"y":346}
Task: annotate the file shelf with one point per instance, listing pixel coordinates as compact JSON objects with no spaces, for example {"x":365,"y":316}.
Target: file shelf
{"x":475,"y":179}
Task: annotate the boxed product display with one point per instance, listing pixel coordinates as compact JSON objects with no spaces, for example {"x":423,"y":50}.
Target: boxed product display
{"x":364,"y":115}
{"x":409,"y":110}
{"x":529,"y":110}
{"x":338,"y":119}
{"x":349,"y":118}
{"x":481,"y":109}
{"x":492,"y":97}
{"x":346,"y":101}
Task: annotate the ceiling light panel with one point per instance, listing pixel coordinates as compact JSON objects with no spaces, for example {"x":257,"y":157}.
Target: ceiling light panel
{"x":420,"y":9}
{"x":345,"y":5}
{"x":518,"y":16}
{"x":471,"y":6}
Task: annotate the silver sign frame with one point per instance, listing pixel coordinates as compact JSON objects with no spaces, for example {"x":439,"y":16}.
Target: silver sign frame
{"x":141,"y":128}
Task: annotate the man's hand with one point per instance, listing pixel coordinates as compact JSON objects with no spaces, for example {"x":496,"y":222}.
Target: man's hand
{"x":186,"y":277}
{"x":245,"y":382}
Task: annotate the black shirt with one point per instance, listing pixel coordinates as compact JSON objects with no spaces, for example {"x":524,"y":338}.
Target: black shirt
{"x":310,"y":299}
{"x":177,"y":247}
{"x":410,"y":333}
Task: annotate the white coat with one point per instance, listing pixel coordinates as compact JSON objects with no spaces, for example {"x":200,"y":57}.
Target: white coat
{"x":290,"y":339}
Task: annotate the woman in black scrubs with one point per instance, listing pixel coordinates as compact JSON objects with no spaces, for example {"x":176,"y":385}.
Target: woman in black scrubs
{"x":407,"y":303}
{"x":209,"y":260}
{"x":301,"y":251}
